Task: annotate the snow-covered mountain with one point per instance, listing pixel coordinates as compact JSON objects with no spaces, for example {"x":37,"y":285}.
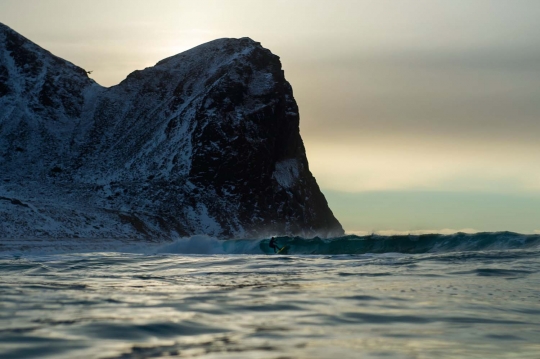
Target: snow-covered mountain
{"x":204,"y":142}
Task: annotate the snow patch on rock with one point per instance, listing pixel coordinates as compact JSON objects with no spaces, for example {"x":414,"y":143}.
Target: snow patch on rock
{"x":286,"y":173}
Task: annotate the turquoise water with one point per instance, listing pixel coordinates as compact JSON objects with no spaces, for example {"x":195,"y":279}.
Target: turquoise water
{"x":389,"y":297}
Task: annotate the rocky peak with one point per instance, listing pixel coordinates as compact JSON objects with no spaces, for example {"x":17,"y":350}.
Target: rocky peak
{"x":41,"y":101}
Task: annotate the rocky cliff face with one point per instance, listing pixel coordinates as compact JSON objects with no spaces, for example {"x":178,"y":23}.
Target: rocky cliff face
{"x":204,"y":142}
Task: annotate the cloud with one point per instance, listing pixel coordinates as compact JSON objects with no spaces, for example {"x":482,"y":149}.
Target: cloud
{"x":422,"y":165}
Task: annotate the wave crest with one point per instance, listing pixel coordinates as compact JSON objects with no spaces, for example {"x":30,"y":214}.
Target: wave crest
{"x":352,"y":244}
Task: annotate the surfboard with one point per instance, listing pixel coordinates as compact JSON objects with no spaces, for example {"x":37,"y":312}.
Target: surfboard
{"x":283,"y":250}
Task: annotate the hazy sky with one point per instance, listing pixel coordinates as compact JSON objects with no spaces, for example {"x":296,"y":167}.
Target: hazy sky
{"x":416,"y":115}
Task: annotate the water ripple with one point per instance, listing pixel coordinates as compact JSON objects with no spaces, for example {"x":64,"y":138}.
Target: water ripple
{"x":114,"y":305}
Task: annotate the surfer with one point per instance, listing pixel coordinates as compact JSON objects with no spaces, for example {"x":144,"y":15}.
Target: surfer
{"x":273,"y":245}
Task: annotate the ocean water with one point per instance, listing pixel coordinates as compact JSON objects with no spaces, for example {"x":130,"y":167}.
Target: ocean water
{"x":431,"y":296}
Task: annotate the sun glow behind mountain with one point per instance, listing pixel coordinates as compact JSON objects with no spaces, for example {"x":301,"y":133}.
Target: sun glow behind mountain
{"x":426,"y":107}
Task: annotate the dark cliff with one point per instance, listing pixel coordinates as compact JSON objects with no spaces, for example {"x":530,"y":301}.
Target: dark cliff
{"x":206,"y":141}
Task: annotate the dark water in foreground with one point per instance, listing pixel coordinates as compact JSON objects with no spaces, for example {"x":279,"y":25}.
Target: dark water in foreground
{"x":436,"y":304}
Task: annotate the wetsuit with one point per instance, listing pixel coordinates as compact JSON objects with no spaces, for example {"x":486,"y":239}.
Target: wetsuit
{"x":273,"y":244}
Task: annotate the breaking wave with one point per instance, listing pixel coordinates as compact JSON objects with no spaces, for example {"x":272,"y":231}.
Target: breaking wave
{"x":352,"y":244}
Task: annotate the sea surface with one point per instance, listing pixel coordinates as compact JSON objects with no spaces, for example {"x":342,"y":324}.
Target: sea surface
{"x":430,"y":296}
